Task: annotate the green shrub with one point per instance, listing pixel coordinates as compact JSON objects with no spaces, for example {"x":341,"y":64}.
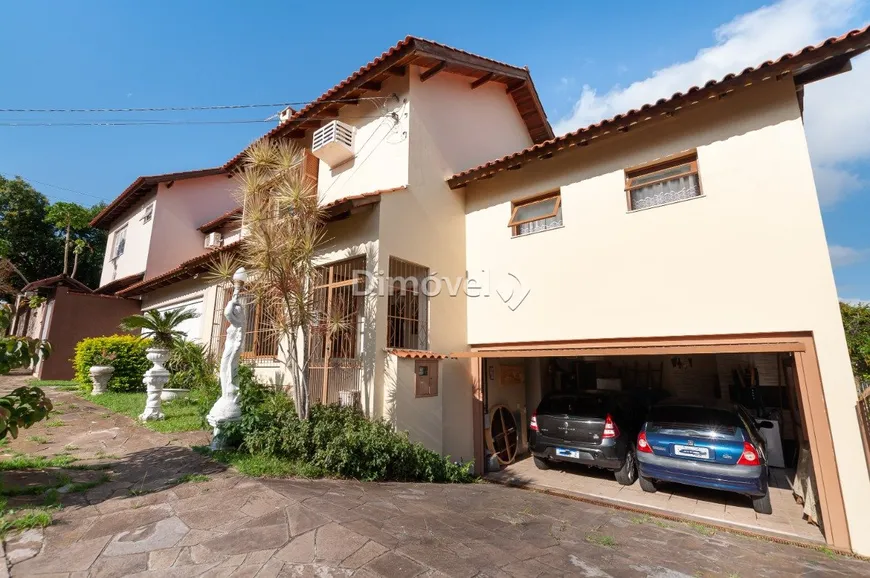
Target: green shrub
{"x":130,"y":362}
{"x":337,"y":441}
{"x":191,"y":365}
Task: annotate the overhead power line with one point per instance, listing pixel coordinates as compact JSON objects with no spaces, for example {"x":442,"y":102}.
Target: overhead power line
{"x":58,"y":187}
{"x":162,"y":122}
{"x":191,"y":108}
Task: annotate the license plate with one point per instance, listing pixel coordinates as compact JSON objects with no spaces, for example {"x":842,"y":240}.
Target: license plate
{"x":692,"y":452}
{"x":563,"y":453}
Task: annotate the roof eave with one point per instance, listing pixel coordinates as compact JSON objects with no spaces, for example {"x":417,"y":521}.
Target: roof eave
{"x":139,"y":188}
{"x":840,"y":49}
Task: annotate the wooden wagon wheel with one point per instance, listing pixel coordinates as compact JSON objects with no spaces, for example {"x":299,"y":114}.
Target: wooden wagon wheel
{"x":503,"y":433}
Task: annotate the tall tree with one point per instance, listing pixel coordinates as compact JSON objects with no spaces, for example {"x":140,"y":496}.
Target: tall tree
{"x":34,"y":237}
{"x":285,"y":229}
{"x":856,"y":323}
{"x":29,"y":241}
{"x":70,"y":218}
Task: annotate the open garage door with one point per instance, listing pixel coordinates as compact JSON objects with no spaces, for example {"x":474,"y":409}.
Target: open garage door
{"x":775,"y":377}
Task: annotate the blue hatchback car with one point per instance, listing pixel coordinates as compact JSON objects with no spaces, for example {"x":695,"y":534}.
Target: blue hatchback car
{"x":711,"y":444}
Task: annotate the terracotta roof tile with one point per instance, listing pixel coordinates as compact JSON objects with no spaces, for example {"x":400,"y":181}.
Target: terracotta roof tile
{"x":61,"y":279}
{"x":219,"y":222}
{"x":117,"y":284}
{"x":535,"y":117}
{"x":185,"y":270}
{"x":851,"y":43}
{"x":337,"y":202}
{"x":417,"y":354}
{"x":139,"y":188}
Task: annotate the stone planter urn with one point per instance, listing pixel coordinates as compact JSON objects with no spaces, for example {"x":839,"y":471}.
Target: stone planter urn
{"x":170,"y":393}
{"x":155,"y":379}
{"x":100,"y":376}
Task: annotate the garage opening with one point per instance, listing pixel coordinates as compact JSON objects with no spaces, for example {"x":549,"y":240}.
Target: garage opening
{"x":585,"y":403}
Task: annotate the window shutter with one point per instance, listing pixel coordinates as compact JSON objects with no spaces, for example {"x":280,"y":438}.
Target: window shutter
{"x":310,"y":166}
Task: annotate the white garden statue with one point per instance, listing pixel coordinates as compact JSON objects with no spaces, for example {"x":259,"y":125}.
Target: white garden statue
{"x":226,"y":408}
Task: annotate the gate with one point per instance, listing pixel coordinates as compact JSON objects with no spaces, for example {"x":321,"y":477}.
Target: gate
{"x":335,"y":368}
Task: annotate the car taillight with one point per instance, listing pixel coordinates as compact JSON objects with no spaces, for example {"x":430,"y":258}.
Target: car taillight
{"x":533,"y":425}
{"x":749,"y":457}
{"x":642,"y":444}
{"x":610,"y":429}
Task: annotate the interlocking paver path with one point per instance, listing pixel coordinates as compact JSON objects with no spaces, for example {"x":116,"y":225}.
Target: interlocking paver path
{"x":237,"y":526}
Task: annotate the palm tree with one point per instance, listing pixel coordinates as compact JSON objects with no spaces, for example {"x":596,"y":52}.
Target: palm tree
{"x":162,"y":327}
{"x":284,"y":229}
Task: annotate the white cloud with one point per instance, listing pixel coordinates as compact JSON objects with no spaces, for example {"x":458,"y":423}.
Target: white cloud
{"x":836,"y":113}
{"x":835,"y":183}
{"x":842,"y":256}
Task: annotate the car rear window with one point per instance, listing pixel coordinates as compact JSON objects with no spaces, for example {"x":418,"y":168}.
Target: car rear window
{"x":588,"y":405}
{"x":694,"y":421}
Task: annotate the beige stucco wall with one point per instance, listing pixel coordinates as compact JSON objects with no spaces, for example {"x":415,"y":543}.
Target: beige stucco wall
{"x":450,"y":127}
{"x":468,"y":127}
{"x":353,"y":237}
{"x":380,"y":145}
{"x":420,"y":417}
{"x":136,"y":245}
{"x":181,"y":210}
{"x":749,"y":256}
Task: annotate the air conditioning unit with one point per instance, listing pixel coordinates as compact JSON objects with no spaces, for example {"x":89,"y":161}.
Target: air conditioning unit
{"x":333,"y":143}
{"x":347,"y":398}
{"x":213,"y":240}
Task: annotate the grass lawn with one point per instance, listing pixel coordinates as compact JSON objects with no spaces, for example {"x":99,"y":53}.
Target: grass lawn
{"x":181,"y":414}
{"x":261,"y":466}
{"x":58,"y":383}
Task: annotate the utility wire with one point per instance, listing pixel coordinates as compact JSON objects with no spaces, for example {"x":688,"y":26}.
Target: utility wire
{"x":162,"y":122}
{"x":190,"y":108}
{"x":29,"y":180}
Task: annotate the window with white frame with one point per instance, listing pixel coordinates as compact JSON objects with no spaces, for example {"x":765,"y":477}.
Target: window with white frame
{"x":119,"y":241}
{"x":536,"y":214}
{"x":663,"y":183}
{"x":148,"y":213}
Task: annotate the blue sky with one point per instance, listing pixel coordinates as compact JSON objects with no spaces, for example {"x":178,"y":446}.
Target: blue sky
{"x":589,"y":61}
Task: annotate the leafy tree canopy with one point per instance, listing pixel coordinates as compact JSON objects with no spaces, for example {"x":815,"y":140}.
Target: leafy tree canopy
{"x":856,"y":322}
{"x":33,"y":234}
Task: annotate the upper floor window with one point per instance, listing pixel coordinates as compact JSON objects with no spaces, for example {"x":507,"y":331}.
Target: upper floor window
{"x":537,"y":214}
{"x":119,"y":241}
{"x":148,"y":213}
{"x":663,"y":183}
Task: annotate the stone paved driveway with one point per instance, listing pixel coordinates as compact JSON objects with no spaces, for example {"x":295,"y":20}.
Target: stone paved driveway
{"x":236,"y":526}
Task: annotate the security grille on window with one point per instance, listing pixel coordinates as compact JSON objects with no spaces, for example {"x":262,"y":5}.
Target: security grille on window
{"x":261,"y":338}
{"x":407,"y":306}
{"x":538,"y":214}
{"x":335,"y":336}
{"x":662,"y":184}
{"x":119,"y":242}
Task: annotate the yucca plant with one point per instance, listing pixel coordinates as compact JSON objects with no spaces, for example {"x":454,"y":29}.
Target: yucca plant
{"x":284,"y":228}
{"x":161,"y":327}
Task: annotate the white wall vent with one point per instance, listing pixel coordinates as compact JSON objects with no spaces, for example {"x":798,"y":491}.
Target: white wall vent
{"x":333,"y":143}
{"x":213,"y":240}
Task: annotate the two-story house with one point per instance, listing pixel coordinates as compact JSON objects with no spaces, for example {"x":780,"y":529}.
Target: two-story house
{"x":677,"y":250}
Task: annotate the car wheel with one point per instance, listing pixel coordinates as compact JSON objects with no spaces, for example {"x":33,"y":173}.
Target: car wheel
{"x":647,"y":484}
{"x":628,"y":472}
{"x":541,"y":464}
{"x":762,"y":504}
